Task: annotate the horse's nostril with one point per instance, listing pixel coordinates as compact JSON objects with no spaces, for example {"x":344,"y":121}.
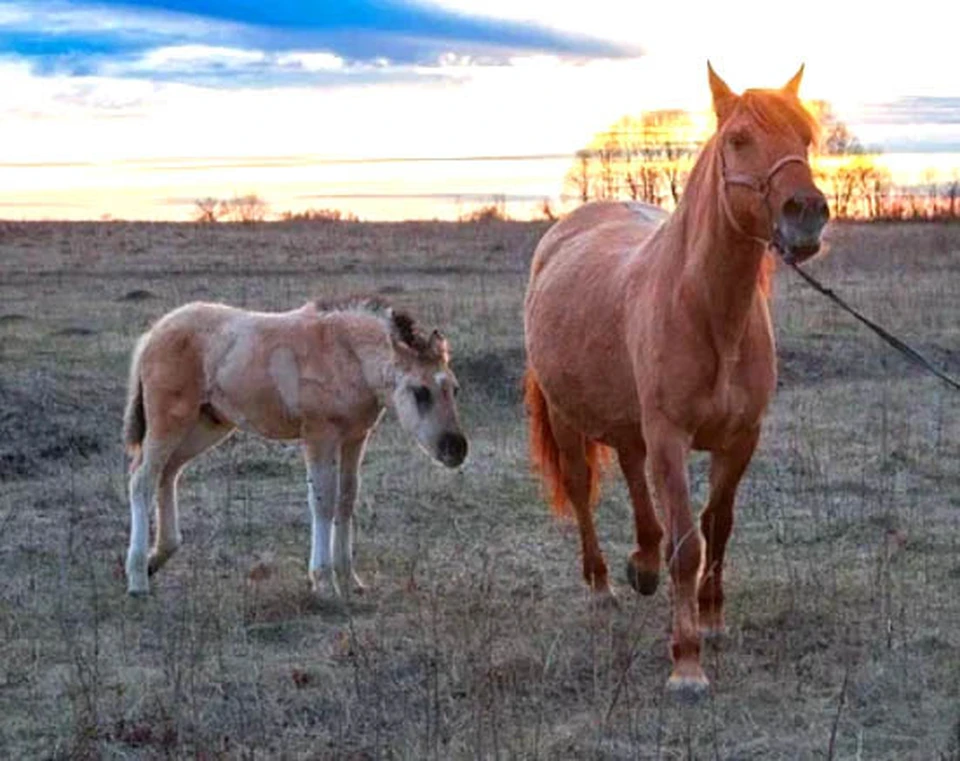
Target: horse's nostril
{"x":452,"y":448}
{"x":793,"y":208}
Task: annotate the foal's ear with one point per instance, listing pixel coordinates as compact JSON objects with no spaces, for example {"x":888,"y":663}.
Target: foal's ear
{"x":793,"y":86}
{"x":401,"y":331}
{"x":438,"y":343}
{"x":723,"y":97}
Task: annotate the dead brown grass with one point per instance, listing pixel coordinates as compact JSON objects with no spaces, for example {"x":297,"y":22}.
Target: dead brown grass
{"x":477,"y":639}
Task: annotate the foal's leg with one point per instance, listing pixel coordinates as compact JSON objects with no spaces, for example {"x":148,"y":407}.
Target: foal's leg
{"x":144,"y":483}
{"x":576,"y":476}
{"x":351,"y":454}
{"x":668,"y":448}
{"x":204,"y":435}
{"x":322,"y":477}
{"x":643,"y":567}
{"x":726,"y":469}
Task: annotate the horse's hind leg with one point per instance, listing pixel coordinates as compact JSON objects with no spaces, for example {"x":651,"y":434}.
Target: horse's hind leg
{"x":204,"y":435}
{"x":726,"y":469}
{"x":144,"y":485}
{"x":643,"y":567}
{"x":577,"y":477}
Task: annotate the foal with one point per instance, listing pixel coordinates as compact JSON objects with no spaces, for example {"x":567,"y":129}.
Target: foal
{"x":319,"y":374}
{"x":654,"y":338}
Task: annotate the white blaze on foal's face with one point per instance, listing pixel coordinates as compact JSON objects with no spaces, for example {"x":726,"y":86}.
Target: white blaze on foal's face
{"x":424,"y":397}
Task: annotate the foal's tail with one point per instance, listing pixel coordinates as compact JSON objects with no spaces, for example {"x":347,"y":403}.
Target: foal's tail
{"x":545,"y":454}
{"x":134,"y":420}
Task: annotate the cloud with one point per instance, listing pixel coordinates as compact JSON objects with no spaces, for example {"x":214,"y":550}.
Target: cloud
{"x":916,"y":109}
{"x":278,"y":42}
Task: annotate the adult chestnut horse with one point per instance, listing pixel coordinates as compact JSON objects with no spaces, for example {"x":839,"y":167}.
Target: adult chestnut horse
{"x":652,"y":336}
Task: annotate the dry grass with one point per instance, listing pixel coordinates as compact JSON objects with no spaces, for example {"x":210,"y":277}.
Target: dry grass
{"x":477,"y":639}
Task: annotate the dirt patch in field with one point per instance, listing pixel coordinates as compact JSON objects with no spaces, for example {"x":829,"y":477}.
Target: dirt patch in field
{"x":41,"y":428}
{"x":138,"y":294}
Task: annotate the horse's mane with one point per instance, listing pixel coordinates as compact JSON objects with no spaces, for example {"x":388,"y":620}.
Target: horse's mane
{"x":401,"y":324}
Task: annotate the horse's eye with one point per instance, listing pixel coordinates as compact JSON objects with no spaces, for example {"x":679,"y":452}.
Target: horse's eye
{"x":456,"y":391}
{"x":422,"y":396}
{"x":739,"y":140}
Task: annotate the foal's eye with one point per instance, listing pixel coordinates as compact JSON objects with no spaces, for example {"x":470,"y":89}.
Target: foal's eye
{"x":422,"y":396}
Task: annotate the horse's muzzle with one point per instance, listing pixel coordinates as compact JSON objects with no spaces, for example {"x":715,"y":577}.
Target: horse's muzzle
{"x":797,"y":232}
{"x":452,"y":449}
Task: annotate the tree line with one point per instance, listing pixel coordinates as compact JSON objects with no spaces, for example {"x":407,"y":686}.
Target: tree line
{"x":649,"y":157}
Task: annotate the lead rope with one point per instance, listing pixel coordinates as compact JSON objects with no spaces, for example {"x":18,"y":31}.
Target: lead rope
{"x":762,"y":186}
{"x":904,"y":348}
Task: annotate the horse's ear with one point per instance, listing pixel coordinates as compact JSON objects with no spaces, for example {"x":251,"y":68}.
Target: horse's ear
{"x":723,"y":97}
{"x":401,"y":329}
{"x":793,"y":86}
{"x":438,"y":343}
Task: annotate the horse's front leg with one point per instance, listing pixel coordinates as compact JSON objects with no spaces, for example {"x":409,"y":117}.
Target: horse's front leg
{"x":351,"y":454}
{"x":668,"y":449}
{"x":320,"y":455}
{"x":726,"y":469}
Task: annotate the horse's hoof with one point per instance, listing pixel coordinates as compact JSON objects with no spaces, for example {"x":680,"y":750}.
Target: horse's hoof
{"x":324,"y":583}
{"x":643,"y":581}
{"x":687,"y":691}
{"x":688,"y":685}
{"x":138,"y":584}
{"x":712,"y":628}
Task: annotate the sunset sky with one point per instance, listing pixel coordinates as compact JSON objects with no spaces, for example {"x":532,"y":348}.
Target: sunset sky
{"x":135,"y":109}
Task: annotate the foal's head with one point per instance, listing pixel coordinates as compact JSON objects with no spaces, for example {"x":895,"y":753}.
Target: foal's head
{"x":763,"y":137}
{"x":425,"y":391}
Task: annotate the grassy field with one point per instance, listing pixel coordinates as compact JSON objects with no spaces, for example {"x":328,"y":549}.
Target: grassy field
{"x":477,"y":639}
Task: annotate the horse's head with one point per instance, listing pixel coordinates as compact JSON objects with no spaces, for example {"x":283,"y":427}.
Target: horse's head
{"x":425,"y":391}
{"x":763,"y":137}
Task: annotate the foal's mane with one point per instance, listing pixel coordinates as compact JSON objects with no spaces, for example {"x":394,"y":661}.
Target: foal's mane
{"x":401,"y":324}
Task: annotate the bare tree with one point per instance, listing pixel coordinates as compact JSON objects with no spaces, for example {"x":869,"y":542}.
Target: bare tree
{"x":579,"y":176}
{"x":953,"y":195}
{"x":646,"y":158}
{"x":249,"y":209}
{"x":209,"y":210}
{"x":546,"y":210}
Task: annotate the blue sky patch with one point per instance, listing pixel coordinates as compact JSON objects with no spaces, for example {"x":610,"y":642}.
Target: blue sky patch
{"x":85,"y":38}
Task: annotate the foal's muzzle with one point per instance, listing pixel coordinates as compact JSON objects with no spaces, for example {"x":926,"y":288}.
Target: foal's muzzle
{"x":452,"y":449}
{"x":796,"y":234}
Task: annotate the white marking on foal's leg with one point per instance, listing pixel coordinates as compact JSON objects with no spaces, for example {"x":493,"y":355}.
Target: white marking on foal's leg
{"x":141,"y":495}
{"x":321,"y":498}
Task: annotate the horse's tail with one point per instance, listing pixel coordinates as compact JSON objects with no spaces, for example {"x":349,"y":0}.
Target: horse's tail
{"x":134,"y":419}
{"x":545,"y":454}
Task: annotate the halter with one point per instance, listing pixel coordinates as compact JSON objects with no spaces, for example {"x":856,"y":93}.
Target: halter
{"x":759,"y":185}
